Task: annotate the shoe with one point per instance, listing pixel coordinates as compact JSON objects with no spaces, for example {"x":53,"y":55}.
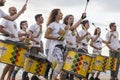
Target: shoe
{"x":97,"y":78}
{"x":91,"y":78}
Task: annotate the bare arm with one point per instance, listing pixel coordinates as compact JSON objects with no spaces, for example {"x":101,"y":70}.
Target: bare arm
{"x":40,"y":30}
{"x":78,"y":22}
{"x":12,"y":18}
{"x":6,"y":32}
{"x":3,"y":31}
{"x":48,"y":36}
{"x":20,"y":36}
{"x":92,"y":45}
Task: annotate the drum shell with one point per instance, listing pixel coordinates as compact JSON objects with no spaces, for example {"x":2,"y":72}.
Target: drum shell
{"x":100,"y":63}
{"x":35,"y":67}
{"x":12,"y":54}
{"x":77,"y":64}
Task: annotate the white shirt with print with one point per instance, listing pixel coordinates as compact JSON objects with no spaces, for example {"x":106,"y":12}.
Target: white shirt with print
{"x":98,"y":44}
{"x":56,"y":27}
{"x":83,"y":41}
{"x":35,"y":29}
{"x":71,"y":37}
{"x":2,"y":14}
{"x":22,"y":31}
{"x":11,"y":27}
{"x":114,"y":42}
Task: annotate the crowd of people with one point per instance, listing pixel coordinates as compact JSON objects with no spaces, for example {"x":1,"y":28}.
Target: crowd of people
{"x":60,"y":38}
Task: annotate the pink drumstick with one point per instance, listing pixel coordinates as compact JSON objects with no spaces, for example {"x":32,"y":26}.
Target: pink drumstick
{"x":26,"y":2}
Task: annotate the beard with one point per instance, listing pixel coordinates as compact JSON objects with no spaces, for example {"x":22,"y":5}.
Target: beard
{"x":1,"y":3}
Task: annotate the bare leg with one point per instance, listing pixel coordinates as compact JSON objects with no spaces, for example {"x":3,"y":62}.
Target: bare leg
{"x":10,"y":72}
{"x":63,"y":75}
{"x":98,"y":73}
{"x":54,"y":77}
{"x":5,"y":70}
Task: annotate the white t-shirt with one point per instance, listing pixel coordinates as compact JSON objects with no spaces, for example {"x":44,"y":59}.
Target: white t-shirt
{"x":98,"y":44}
{"x":47,"y":44}
{"x":71,"y":38}
{"x":114,"y":42}
{"x":2,"y":14}
{"x":11,"y":27}
{"x":56,"y":27}
{"x":22,"y":31}
{"x":35,"y":29}
{"x":84,"y":42}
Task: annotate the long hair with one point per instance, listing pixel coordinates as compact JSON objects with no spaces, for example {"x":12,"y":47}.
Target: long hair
{"x":95,"y":32}
{"x":65,"y":21}
{"x":52,"y":16}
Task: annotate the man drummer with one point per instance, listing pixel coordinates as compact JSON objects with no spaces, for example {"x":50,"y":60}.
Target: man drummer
{"x":13,"y":17}
{"x":112,"y":38}
{"x":22,"y":34}
{"x":9,"y":28}
{"x":35,"y":32}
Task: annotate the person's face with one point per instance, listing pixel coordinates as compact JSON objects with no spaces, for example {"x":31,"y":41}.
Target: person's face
{"x":2,"y":2}
{"x":98,"y":30}
{"x":12,"y":11}
{"x":40,"y":19}
{"x":113,"y":28}
{"x":70,"y":20}
{"x":87,"y":25}
{"x":60,"y":15}
{"x":25,"y":25}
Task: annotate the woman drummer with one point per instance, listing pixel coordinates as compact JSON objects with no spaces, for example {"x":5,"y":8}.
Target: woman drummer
{"x":71,"y":34}
{"x":55,"y":32}
{"x":96,"y":43}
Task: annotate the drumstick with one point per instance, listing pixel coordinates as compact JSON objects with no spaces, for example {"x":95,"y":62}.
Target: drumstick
{"x":26,"y":1}
{"x":94,"y":25}
{"x":86,"y":6}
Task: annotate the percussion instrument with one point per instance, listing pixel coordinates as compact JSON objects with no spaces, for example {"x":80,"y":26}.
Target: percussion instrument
{"x":36,"y":64}
{"x":100,"y":63}
{"x":12,"y":52}
{"x":77,"y":64}
{"x":111,"y":63}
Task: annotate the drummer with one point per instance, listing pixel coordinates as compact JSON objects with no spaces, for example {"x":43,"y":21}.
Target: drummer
{"x":22,"y":34}
{"x":71,"y":34}
{"x":96,"y":43}
{"x":13,"y":17}
{"x":10,"y":29}
{"x":35,"y":33}
{"x":112,"y":38}
{"x":85,"y":37}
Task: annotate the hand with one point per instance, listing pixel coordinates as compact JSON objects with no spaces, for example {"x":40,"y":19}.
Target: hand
{"x":36,"y":42}
{"x":87,"y":33}
{"x":111,"y":34}
{"x":60,"y":38}
{"x":23,"y":8}
{"x":99,"y":48}
{"x":12,"y":35}
{"x":83,"y":16}
{"x":112,"y":50}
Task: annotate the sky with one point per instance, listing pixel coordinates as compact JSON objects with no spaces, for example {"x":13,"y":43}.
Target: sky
{"x":100,"y":12}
